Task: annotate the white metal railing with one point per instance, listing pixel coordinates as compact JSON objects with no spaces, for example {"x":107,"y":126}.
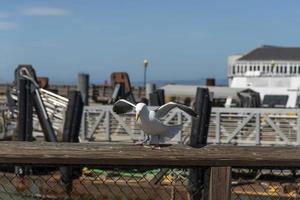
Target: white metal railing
{"x":227,"y":125}
{"x":255,"y":126}
{"x":101,"y":123}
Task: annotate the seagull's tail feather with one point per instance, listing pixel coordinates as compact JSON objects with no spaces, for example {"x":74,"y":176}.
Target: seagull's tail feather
{"x":173,"y":130}
{"x":170,"y":132}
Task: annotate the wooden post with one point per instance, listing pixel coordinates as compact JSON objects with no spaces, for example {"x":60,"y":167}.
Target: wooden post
{"x":25,"y":110}
{"x":200,"y":125}
{"x":161,"y":96}
{"x":29,"y":112}
{"x":83,"y":87}
{"x":28,"y":96}
{"x":25,"y":106}
{"x":150,"y":88}
{"x":71,"y":134}
{"x":199,"y":177}
{"x":220,"y":183}
{"x":21,"y":124}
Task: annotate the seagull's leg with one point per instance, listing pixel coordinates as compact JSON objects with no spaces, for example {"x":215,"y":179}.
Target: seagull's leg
{"x":156,"y":146}
{"x":147,"y":139}
{"x":144,"y":141}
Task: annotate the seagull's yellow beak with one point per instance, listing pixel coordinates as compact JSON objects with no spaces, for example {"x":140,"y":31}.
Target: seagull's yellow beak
{"x":137,"y":116}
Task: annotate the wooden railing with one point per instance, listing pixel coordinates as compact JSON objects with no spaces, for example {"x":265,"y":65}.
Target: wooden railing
{"x":115,"y":154}
{"x":219,"y":159}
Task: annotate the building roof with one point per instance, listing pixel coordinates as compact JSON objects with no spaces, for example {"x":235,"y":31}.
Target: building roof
{"x":272,"y":53}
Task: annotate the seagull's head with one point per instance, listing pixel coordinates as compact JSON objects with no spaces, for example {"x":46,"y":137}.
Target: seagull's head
{"x":139,"y":109}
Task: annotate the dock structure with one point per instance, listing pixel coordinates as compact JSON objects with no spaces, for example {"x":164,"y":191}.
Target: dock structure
{"x":239,"y":126}
{"x":118,"y":171}
{"x":97,"y":93}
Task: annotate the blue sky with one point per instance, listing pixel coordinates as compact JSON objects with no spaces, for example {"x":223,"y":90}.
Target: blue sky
{"x":183,"y":40}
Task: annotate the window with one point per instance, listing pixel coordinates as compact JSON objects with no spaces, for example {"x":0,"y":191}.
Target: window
{"x":268,"y":68}
{"x":233,"y":69}
{"x":285,"y":70}
{"x":238,"y":69}
{"x":281,"y":69}
{"x":264,"y":68}
{"x":277,"y":70}
{"x":275,"y":101}
{"x":298,"y":69}
{"x":250,"y":68}
{"x":295,"y":70}
{"x":258,"y":68}
{"x":254,"y":68}
{"x":291,"y":69}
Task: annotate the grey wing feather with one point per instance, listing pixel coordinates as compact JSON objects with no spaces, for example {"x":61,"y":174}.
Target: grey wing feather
{"x":164,"y":109}
{"x":123,"y":106}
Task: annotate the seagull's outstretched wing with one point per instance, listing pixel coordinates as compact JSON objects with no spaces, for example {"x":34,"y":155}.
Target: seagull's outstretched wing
{"x":123,"y":106}
{"x":164,"y":109}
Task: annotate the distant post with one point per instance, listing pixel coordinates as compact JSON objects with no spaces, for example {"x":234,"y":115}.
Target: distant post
{"x":150,"y":88}
{"x":83,"y":87}
{"x":145,"y":73}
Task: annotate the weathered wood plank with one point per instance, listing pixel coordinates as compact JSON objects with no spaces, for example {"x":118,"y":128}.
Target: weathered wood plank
{"x":132,"y":155}
{"x":220,"y":183}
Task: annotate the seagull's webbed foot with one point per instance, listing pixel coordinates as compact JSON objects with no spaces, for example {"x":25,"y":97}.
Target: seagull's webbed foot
{"x":155,"y":147}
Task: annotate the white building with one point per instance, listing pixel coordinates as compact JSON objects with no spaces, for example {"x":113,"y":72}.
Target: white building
{"x":272,"y":71}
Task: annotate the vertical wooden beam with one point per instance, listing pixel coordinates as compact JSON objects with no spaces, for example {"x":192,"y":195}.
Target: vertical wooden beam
{"x":25,"y":108}
{"x":73,"y":117}
{"x":29,"y":112}
{"x":161,"y":96}
{"x":195,"y":140}
{"x":220,"y":183}
{"x":25,"y":105}
{"x":199,"y":177}
{"x":83,"y":87}
{"x":71,"y":134}
{"x":21,"y":123}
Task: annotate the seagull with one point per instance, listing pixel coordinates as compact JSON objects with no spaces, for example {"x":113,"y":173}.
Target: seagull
{"x":150,"y":120}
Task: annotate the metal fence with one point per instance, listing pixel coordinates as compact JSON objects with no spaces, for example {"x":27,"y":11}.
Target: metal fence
{"x":96,"y":182}
{"x":265,"y":183}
